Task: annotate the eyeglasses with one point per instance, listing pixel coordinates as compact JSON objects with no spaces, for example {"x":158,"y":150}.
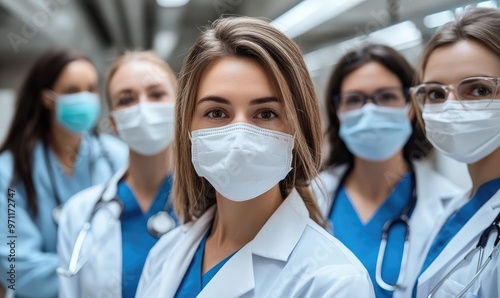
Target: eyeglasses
{"x":387,"y":97}
{"x":474,"y":88}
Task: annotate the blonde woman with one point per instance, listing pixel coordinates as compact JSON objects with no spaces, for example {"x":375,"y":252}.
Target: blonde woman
{"x":248,"y":142}
{"x":126,"y":215}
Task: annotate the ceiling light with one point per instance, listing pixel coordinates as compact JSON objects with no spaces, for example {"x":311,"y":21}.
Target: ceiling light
{"x":171,"y":3}
{"x":439,"y":19}
{"x":309,"y":14}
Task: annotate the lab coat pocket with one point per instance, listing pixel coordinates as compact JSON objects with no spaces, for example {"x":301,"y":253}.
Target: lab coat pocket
{"x":451,"y":288}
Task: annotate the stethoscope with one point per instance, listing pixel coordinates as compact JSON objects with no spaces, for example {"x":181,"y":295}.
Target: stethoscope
{"x":56,"y":212}
{"x":403,"y":219}
{"x":158,"y":225}
{"x":481,"y":245}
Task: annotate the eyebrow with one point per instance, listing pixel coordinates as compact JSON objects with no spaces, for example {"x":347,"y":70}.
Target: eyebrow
{"x":222,"y":100}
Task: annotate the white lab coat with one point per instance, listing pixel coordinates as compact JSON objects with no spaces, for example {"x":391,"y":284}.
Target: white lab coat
{"x":291,"y":256}
{"x":488,"y":284}
{"x":434,"y":193}
{"x":101,"y":276}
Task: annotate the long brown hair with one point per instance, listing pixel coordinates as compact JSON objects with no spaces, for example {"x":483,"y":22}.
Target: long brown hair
{"x":416,"y":147}
{"x":252,"y":39}
{"x":32,"y":120}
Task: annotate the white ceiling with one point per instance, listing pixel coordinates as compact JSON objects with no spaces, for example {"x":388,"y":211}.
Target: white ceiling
{"x":104,"y":28}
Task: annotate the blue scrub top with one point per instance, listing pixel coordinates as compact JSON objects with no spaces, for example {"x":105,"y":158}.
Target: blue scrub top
{"x":363,"y":239}
{"x":193,"y":281}
{"x":36,"y":258}
{"x":136,"y":239}
{"x":456,"y":222}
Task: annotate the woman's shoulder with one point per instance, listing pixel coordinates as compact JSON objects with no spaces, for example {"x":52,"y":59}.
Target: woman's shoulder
{"x":318,"y":241}
{"x":328,"y":266}
{"x":114,"y":148}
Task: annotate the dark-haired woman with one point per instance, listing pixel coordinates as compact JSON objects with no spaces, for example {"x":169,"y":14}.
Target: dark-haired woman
{"x":373,"y":175}
{"x":51,"y":152}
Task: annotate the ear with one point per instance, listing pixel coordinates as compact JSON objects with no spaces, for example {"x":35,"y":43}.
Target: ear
{"x":47,"y":99}
{"x":411,"y":112}
{"x":113,"y":124}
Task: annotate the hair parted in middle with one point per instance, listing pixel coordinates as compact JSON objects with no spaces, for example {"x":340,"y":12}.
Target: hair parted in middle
{"x":248,"y":38}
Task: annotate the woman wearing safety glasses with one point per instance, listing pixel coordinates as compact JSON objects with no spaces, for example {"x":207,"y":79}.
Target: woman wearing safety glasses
{"x":107,"y":231}
{"x":51,"y":152}
{"x":460,"y":99}
{"x":381,"y":200}
{"x":247,"y":143}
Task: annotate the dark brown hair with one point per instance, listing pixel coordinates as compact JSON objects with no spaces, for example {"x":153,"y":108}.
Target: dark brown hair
{"x":249,"y":38}
{"x":32,"y":120}
{"x":417,"y":146}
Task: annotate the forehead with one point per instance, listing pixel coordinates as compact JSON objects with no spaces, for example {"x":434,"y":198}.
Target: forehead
{"x":77,"y":70}
{"x":235,"y":78}
{"x":467,"y":58}
{"x":370,"y":77}
{"x":138,"y":74}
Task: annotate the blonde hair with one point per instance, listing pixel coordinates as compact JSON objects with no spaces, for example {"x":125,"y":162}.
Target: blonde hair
{"x":282,"y":59}
{"x":478,"y":24}
{"x":146,"y":56}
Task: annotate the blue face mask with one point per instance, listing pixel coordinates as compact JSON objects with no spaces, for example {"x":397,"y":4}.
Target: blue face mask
{"x":375,"y":133}
{"x":78,"y":112}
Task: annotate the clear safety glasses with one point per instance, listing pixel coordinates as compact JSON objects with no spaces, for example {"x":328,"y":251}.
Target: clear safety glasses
{"x":473,"y":88}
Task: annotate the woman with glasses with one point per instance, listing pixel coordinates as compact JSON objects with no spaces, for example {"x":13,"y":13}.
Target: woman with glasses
{"x":460,"y":101}
{"x":381,"y":200}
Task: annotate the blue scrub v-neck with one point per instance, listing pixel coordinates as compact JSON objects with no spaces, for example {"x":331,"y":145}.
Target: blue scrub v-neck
{"x":363,"y":238}
{"x":136,"y":239}
{"x":458,"y":220}
{"x":193,"y":282}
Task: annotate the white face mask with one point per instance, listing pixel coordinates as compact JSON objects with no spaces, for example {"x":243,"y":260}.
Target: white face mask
{"x":466,"y":130}
{"x":241,"y":161}
{"x":147,"y":127}
{"x":375,"y":133}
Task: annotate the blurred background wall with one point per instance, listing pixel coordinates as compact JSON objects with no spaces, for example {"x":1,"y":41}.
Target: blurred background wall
{"x":324,"y":29}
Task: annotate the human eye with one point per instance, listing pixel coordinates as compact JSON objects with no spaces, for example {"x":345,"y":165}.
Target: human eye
{"x":386,"y":96}
{"x":477,"y":91}
{"x":267,"y":114}
{"x":435,"y":93}
{"x":215,"y":114}
{"x":157,"y":94}
{"x":125,"y":101}
{"x":352,"y":99}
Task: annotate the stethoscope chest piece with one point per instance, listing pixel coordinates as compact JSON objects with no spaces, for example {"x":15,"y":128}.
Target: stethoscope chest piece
{"x":56,"y":213}
{"x":160,"y":224}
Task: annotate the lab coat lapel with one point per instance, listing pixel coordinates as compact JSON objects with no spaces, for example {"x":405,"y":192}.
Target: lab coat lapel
{"x":276,"y":240}
{"x":432,"y":199}
{"x":234,"y":279}
{"x":464,"y":240}
{"x":326,"y":185}
{"x":182,"y":253}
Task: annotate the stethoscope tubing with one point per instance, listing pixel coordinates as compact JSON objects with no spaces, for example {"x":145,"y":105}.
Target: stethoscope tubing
{"x":404,"y":219}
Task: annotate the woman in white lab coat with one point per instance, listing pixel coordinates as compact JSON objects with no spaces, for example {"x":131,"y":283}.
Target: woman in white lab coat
{"x":248,"y":141}
{"x":51,"y":152}
{"x":460,"y":97}
{"x":374,"y":173}
{"x":141,"y":90}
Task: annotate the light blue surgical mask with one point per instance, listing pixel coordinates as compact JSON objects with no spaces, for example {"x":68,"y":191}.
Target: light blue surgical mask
{"x":375,"y":133}
{"x":78,"y":112}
